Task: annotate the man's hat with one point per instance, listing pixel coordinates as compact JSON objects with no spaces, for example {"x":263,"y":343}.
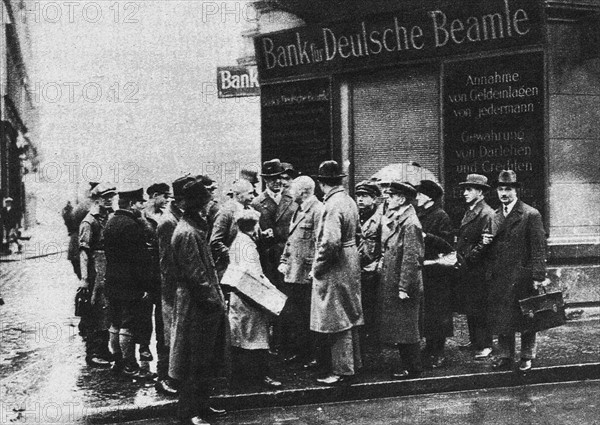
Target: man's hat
{"x":272,"y":168}
{"x":134,"y":195}
{"x":403,"y":188}
{"x":508,"y":178}
{"x":368,"y":188}
{"x":476,"y":180}
{"x":93,"y":184}
{"x":329,"y":170}
{"x":103,"y":190}
{"x":207,"y":182}
{"x":430,"y":189}
{"x":251,"y":176}
{"x":289,"y":170}
{"x":158,"y":188}
{"x":195,"y":194}
{"x":178,"y":186}
{"x":8,"y":199}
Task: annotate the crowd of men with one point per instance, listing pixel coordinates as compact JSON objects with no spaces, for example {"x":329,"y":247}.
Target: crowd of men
{"x":372,"y":271}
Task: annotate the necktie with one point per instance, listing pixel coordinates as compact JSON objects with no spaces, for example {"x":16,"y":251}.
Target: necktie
{"x":505,"y":210}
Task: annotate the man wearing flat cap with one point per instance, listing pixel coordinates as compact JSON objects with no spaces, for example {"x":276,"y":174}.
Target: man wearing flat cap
{"x":127,"y":261}
{"x":94,"y":325}
{"x":168,"y":273}
{"x":213,"y":206}
{"x":470,"y":291}
{"x":400,"y":294}
{"x":439,"y":235}
{"x":516,"y":268}
{"x":336,"y":308}
{"x":200,"y":326}
{"x":369,"y":250}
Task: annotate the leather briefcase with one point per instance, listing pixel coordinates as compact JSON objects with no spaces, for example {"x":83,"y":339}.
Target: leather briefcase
{"x":543,"y":311}
{"x":83,"y":303}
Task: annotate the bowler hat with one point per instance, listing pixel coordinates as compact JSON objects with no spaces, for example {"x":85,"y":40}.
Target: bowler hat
{"x":102,"y":190}
{"x":508,"y":178}
{"x":208,"y":183}
{"x":368,"y":188}
{"x":135,"y":195}
{"x":403,"y":188}
{"x":272,"y":168}
{"x":476,"y":180}
{"x":158,"y":188}
{"x":195,"y":194}
{"x":329,"y":170}
{"x":178,"y":186}
{"x":289,"y":170}
{"x":430,"y":189}
{"x":251,"y":176}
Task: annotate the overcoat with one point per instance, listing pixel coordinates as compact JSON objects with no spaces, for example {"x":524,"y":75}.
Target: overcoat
{"x":436,"y":280}
{"x":299,"y":250}
{"x":168,"y":272}
{"x":248,"y":322}
{"x":336,"y":294}
{"x":75,"y":219}
{"x":516,"y":257}
{"x":369,"y":247}
{"x":470,"y":290}
{"x":200,"y":326}
{"x":224,"y":231}
{"x":399,"y":321}
{"x":277,"y":217}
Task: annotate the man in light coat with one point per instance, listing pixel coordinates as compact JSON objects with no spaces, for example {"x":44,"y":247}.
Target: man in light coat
{"x":296,"y":263}
{"x":516,"y":268}
{"x":470,"y":291}
{"x":336,"y":308}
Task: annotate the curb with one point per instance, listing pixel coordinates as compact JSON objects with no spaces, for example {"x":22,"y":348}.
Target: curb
{"x":7,"y":259}
{"x":362,"y":391}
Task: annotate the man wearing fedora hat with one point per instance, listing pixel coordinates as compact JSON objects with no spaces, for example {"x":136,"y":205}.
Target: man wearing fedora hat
{"x":516,"y":268}
{"x":127,"y":261}
{"x":470,"y":291}
{"x":400,"y":292}
{"x":200,"y":327}
{"x":336,"y":308}
{"x":169,"y":273}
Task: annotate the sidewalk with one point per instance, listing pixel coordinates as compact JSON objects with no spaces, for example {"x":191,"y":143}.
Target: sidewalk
{"x":38,"y":242}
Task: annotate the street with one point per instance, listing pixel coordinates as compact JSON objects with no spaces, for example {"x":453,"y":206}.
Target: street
{"x":547,"y":404}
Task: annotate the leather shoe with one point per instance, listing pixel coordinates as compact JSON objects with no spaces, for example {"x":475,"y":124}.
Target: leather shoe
{"x":525,"y":365}
{"x":405,"y":374}
{"x":196,"y":420}
{"x":96,"y":361}
{"x":483,"y":354}
{"x":336,"y":380}
{"x":502,"y":364}
{"x":212,"y":412}
{"x":164,"y":387}
{"x":271,"y":383}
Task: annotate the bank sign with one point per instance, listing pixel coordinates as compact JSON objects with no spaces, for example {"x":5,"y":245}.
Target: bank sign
{"x":237,"y":81}
{"x":440,"y":28}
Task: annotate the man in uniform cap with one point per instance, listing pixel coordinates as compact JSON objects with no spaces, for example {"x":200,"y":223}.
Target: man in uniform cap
{"x":470,"y":291}
{"x":400,"y":294}
{"x":289,"y":173}
{"x":336,"y":308}
{"x":369,"y":250}
{"x":516,"y":268}
{"x":127,"y":262}
{"x":94,"y":324}
{"x":168,"y":273}
{"x":200,"y":325}
{"x":213,"y":206}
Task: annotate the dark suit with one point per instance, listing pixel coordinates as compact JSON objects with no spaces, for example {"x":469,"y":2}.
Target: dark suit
{"x":515,"y":258}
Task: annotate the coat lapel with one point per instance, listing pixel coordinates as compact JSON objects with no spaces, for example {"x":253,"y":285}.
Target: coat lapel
{"x":284,"y":204}
{"x":471,"y":215}
{"x":396,"y":222}
{"x":513,"y":217}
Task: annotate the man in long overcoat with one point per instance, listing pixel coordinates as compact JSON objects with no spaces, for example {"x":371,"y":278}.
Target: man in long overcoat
{"x":168,"y":275}
{"x":439,"y":234}
{"x":470,"y":289}
{"x":400,"y":294}
{"x":516,"y":269}
{"x":336,"y":308}
{"x":200,"y":325}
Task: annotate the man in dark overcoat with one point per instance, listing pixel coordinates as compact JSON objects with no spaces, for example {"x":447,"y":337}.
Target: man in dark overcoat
{"x":470,"y":289}
{"x":516,"y":268}
{"x":336,"y":308}
{"x":200,"y":325}
{"x":73,"y":219}
{"x":168,"y":273}
{"x":439,"y":234}
{"x":400,"y":293}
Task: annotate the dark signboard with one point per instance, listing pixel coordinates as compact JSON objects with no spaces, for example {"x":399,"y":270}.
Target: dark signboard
{"x":296,"y":123}
{"x":438,"y":28}
{"x":237,"y":81}
{"x":493,"y":110}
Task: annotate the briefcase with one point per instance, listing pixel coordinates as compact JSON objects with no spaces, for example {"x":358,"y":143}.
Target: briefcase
{"x":83,"y":302}
{"x":543,"y":311}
